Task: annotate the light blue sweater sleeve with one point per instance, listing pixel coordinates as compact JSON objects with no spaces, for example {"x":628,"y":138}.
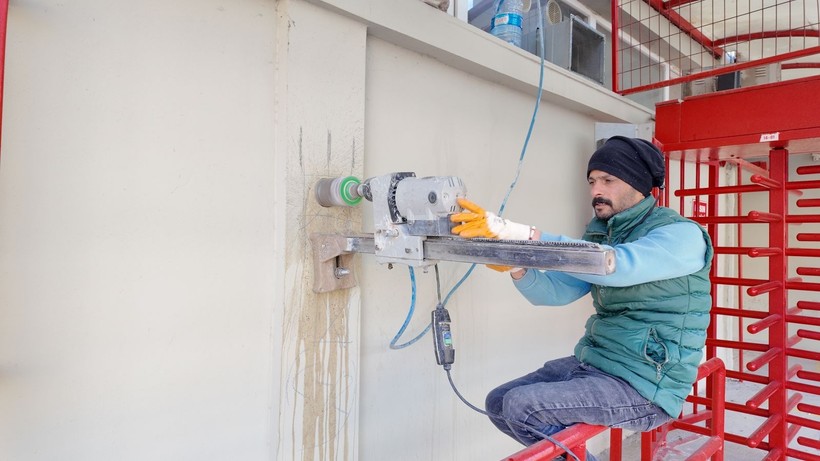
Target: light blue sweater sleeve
{"x":666,"y":252}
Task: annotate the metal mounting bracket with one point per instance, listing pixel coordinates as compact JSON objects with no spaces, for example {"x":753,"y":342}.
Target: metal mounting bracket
{"x":333,"y":255}
{"x":332,"y":263}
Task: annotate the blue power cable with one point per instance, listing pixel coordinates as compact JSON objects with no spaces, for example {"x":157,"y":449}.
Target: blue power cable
{"x":500,"y":209}
{"x":467,"y":274}
{"x":395,"y":339}
{"x":523,"y":148}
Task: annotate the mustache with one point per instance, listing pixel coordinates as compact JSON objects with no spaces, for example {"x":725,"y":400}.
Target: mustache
{"x":601,"y":201}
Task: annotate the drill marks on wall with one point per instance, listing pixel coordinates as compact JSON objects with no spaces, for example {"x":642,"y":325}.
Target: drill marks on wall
{"x":329,"y":141}
{"x":321,"y":379}
{"x":301,"y":162}
{"x":322,"y":74}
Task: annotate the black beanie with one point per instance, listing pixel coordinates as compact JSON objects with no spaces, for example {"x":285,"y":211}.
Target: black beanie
{"x":635,"y":161}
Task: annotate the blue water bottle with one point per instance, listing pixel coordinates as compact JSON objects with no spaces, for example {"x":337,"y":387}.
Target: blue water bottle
{"x":507,"y":22}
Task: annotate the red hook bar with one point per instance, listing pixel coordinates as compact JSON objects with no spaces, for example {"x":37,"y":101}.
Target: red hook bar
{"x":736,"y":281}
{"x":814,"y":184}
{"x":719,"y":190}
{"x":803,"y":319}
{"x":806,"y":408}
{"x":765,"y":182}
{"x":757,"y":327}
{"x":756,"y":400}
{"x":758,"y":252}
{"x":760,"y":216}
{"x":793,"y":402}
{"x":793,"y":371}
{"x":808,"y":169}
{"x":737,"y":345}
{"x":767,"y":287}
{"x":808,"y":271}
{"x":765,"y":358}
{"x":802,"y":286}
{"x":803,"y":218}
{"x":708,"y":449}
{"x":808,"y":202}
{"x":763,"y":431}
{"x":792,"y":431}
{"x":754,"y":252}
{"x":809,"y":305}
{"x":803,"y":354}
{"x":807,"y":442}
{"x":808,"y":334}
{"x":808,"y":375}
{"x":806,"y":252}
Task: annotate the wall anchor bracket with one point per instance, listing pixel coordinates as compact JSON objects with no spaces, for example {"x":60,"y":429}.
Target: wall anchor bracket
{"x":332,"y":263}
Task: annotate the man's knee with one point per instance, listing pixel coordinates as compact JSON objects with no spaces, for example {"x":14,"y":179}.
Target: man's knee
{"x":494,"y":401}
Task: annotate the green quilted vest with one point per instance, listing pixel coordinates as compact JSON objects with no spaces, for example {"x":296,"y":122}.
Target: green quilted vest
{"x":652,"y":334}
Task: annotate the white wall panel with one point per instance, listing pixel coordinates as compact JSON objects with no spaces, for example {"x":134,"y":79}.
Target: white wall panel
{"x":136,"y":283}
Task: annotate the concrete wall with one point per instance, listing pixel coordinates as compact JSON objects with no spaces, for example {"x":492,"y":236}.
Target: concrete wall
{"x":136,"y":216}
{"x":155,"y":206}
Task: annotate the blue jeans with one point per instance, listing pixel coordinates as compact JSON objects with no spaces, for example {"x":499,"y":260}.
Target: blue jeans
{"x":564,"y":392}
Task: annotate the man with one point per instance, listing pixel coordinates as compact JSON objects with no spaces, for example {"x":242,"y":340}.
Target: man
{"x":638,"y":358}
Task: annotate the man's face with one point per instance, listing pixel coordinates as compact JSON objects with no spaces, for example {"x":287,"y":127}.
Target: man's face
{"x":610,"y":195}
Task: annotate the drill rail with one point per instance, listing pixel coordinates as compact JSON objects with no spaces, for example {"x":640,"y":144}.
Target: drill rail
{"x":332,"y":256}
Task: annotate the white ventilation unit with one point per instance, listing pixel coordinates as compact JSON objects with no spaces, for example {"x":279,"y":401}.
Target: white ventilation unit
{"x":759,"y":75}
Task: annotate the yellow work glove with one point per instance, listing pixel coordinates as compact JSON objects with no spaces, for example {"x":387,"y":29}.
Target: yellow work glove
{"x":498,"y":268}
{"x":477,"y":222}
{"x":515,"y":272}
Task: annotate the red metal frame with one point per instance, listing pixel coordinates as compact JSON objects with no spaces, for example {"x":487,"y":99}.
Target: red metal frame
{"x":705,"y":132}
{"x":709,"y":127}
{"x":666,"y":10}
{"x":576,"y":437}
{"x":722,"y":70}
{"x":653,"y":443}
{"x":669,"y":35}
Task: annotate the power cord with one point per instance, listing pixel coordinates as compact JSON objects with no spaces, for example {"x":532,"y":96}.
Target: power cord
{"x":440,"y":322}
{"x":523,"y":148}
{"x":446,"y":355}
{"x":409,"y":317}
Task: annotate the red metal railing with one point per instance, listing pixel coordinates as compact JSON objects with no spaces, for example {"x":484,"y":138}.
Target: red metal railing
{"x":660,"y":43}
{"x":575,"y":438}
{"x":655,"y":446}
{"x":774,"y":295}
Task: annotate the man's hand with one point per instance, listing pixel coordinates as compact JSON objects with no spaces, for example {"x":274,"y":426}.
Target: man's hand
{"x":477,"y":222}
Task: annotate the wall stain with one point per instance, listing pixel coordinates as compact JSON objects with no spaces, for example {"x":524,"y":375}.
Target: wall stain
{"x":322,"y":374}
{"x":301,"y":162}
{"x":353,"y":157}
{"x":329,"y":150}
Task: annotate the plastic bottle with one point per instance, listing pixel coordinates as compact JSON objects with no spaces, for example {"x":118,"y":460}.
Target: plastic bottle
{"x":507,"y":22}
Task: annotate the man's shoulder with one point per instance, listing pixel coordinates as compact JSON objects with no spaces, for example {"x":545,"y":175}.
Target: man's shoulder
{"x":670,"y":215}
